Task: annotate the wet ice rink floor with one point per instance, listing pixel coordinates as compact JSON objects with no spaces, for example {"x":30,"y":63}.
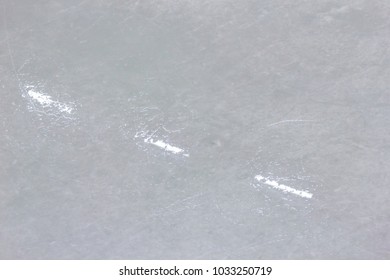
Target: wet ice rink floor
{"x":255,"y":129}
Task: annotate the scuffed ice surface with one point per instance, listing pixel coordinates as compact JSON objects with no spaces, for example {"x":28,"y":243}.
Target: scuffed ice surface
{"x":136,"y":129}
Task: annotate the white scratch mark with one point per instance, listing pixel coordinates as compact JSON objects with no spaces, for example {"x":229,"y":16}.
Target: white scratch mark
{"x":46,"y":101}
{"x":288,"y":121}
{"x":282,"y":187}
{"x":169,"y":148}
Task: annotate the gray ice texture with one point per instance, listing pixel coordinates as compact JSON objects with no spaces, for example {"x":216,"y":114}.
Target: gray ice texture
{"x":194,"y":129}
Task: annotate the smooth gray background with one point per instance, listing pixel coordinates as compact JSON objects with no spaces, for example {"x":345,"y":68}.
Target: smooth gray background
{"x":294,"y":91}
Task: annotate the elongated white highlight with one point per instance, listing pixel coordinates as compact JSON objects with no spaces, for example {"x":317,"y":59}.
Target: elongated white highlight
{"x":165,"y":146}
{"x":288,"y":121}
{"x":282,"y":187}
{"x":47,"y":102}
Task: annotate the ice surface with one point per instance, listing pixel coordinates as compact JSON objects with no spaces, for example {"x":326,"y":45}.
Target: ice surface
{"x":136,"y":129}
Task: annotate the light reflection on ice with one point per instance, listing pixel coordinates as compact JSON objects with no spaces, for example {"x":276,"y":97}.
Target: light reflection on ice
{"x":166,"y":147}
{"x":160,"y":144}
{"x":46,"y":102}
{"x":282,"y":187}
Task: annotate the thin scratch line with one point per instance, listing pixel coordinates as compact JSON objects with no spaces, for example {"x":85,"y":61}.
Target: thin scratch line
{"x":282,"y":187}
{"x":288,"y":121}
